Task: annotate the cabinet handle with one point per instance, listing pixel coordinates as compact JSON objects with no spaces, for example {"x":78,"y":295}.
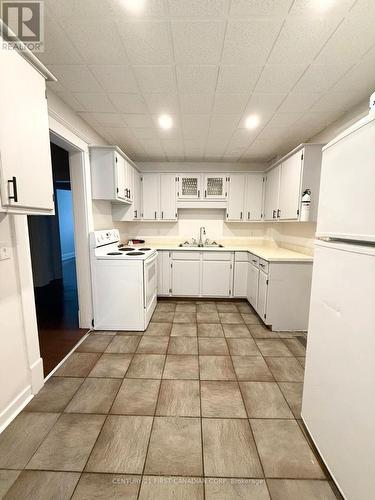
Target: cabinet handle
{"x":162,"y":215}
{"x":135,"y":214}
{"x":262,"y":265}
{"x":241,"y":215}
{"x":155,"y":215}
{"x":13,"y":181}
{"x":205,"y":193}
{"x":248,"y":215}
{"x":274,"y":214}
{"x":278,"y":213}
{"x":254,"y":261}
{"x":199,"y":193}
{"x":129,"y":193}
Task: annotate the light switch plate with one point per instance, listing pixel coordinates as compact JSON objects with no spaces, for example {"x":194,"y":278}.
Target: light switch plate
{"x":4,"y":253}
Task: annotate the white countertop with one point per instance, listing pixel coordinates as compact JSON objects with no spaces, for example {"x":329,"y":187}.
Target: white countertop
{"x":271,"y":253}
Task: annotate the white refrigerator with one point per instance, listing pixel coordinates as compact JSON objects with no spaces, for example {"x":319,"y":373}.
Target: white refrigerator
{"x":338,"y":406}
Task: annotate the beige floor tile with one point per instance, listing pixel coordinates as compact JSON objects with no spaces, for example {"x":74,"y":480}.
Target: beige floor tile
{"x":214,"y":346}
{"x":229,"y":449}
{"x":43,"y":485}
{"x":285,"y":369}
{"x":171,"y":488}
{"x":104,"y":332}
{"x":261,"y":332}
{"x":95,"y":395}
{"x":185,"y":317}
{"x":181,"y":367}
{"x":208,"y":317}
{"x":107,"y":487}
{"x":183,"y":345}
{"x":302,"y":361}
{"x":55,"y":395}
{"x":291,"y":334}
{"x":186,"y":307}
{"x":175,"y":447}
{"x":184,"y":330}
{"x":162,"y":317}
{"x":159,"y":329}
{"x":243,"y":347}
{"x":226,"y":307}
{"x":221,"y":399}
{"x":146,"y":366}
{"x":136,"y":397}
{"x":210,"y":330}
{"x":166,"y":307}
{"x":79,"y":364}
{"x":252,"y":368}
{"x":94,"y":343}
{"x":232,"y":489}
{"x":295,"y":347}
{"x":206,"y":307}
{"x":251,"y":319}
{"x":216,"y":368}
{"x":284,"y":451}
{"x":153,"y":345}
{"x":245,"y":308}
{"x":20,"y":440}
{"x":69,"y":443}
{"x":121,"y":446}
{"x":7,"y":478}
{"x":122,"y":344}
{"x":129,"y":333}
{"x":293,"y":394}
{"x":111,"y":366}
{"x":234,"y":318}
{"x":284,"y":489}
{"x":264,"y":400}
{"x":275,"y":347}
{"x":179,"y":398}
{"x":236,"y":331}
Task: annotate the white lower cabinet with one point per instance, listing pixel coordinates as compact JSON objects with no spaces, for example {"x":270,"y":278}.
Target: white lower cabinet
{"x":217,"y":274}
{"x":240,"y":274}
{"x":252,"y":284}
{"x":261,"y":305}
{"x":164,"y":273}
{"x":186,"y":278}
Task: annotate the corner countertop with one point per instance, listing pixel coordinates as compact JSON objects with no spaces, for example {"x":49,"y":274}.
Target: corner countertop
{"x":268,"y":252}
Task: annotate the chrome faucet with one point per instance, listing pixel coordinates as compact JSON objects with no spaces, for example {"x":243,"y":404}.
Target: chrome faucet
{"x":202,"y":231}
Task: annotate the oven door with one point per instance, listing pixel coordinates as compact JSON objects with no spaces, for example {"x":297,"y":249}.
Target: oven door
{"x":150,"y":286}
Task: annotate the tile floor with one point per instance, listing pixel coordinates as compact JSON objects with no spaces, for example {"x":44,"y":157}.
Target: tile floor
{"x":204,"y":405}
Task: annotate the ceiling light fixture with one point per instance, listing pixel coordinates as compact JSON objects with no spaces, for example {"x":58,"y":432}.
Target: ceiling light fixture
{"x":252,"y":121}
{"x":165,"y":121}
{"x":134,"y":6}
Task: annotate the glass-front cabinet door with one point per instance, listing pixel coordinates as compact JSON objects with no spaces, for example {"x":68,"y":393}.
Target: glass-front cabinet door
{"x":215,"y":187}
{"x":189,"y":187}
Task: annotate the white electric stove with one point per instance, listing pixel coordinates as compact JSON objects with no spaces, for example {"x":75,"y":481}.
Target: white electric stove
{"x":124,"y":282}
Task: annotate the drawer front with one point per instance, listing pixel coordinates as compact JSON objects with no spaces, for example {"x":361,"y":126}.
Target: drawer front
{"x":263,"y":265}
{"x":241,"y":256}
{"x":217,"y":255}
{"x":254,"y":260}
{"x":186,"y":255}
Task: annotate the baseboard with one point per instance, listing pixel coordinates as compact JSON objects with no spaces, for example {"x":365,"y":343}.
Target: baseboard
{"x":15,"y":407}
{"x":37,"y":376}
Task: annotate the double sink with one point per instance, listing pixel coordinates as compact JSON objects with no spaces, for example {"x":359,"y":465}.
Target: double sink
{"x":188,"y":244}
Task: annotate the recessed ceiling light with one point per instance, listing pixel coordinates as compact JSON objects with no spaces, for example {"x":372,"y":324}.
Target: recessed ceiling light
{"x":165,"y":121}
{"x":134,"y":6}
{"x":252,"y":121}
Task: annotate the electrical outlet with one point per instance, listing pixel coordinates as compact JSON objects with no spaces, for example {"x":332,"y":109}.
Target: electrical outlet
{"x":4,"y":253}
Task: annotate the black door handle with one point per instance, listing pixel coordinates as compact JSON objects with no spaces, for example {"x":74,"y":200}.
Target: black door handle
{"x":13,"y":181}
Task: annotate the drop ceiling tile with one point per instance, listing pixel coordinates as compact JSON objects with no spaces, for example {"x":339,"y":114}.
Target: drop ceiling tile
{"x":320,"y":77}
{"x":146,"y":42}
{"x":320,"y":8}
{"x":224,"y":124}
{"x":150,"y":9}
{"x":249,"y":8}
{"x":156,"y":79}
{"x":95,"y":102}
{"x":138,"y":121}
{"x":109,"y":119}
{"x":335,"y":101}
{"x":98,"y":42}
{"x":279,"y":78}
{"x":264,"y":104}
{"x":129,"y":103}
{"x":198,"y":8}
{"x":115,"y":78}
{"x":162,"y":103}
{"x":196,"y":103}
{"x":88,"y":118}
{"x":298,"y":102}
{"x":271,"y":133}
{"x":120,"y":135}
{"x":195,"y":126}
{"x":237,"y":79}
{"x":249,"y":42}
{"x":71,"y":9}
{"x":58,"y":49}
{"x":152,"y":147}
{"x":230,"y":103}
{"x":300,"y":40}
{"x":284,"y":119}
{"x":76,"y":78}
{"x":197,"y":42}
{"x":196,"y":79}
{"x":71,"y":101}
{"x":360,"y":80}
{"x":262,"y":149}
{"x":145,"y":133}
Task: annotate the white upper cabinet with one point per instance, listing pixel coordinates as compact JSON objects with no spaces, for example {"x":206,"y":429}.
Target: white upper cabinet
{"x":189,"y":187}
{"x":236,"y":197}
{"x":271,"y":195}
{"x":129,"y":181}
{"x":168,"y":209}
{"x":137,"y":200}
{"x":150,"y":196}
{"x":214,"y":187}
{"x":25,"y":157}
{"x":290,"y":187}
{"x":254,"y":197}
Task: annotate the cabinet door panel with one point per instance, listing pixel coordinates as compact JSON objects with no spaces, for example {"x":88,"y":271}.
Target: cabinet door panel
{"x":254,"y":197}
{"x":271,"y":197}
{"x":150,"y":196}
{"x":240,"y":279}
{"x":290,"y":187}
{"x":129,"y":181}
{"x":189,"y":187}
{"x":236,"y":194}
{"x":186,"y":277}
{"x":120,"y":177}
{"x":24,"y":136}
{"x":137,"y":196}
{"x":168,"y":210}
{"x":164,"y":273}
{"x":262,"y":295}
{"x":216,"y":278}
{"x":252,"y":285}
{"x":214,"y":187}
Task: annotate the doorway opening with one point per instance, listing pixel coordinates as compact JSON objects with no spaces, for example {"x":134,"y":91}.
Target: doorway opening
{"x":53,"y":259}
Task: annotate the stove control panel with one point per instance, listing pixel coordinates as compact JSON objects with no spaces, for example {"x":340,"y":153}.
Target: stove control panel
{"x":105,"y":237}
